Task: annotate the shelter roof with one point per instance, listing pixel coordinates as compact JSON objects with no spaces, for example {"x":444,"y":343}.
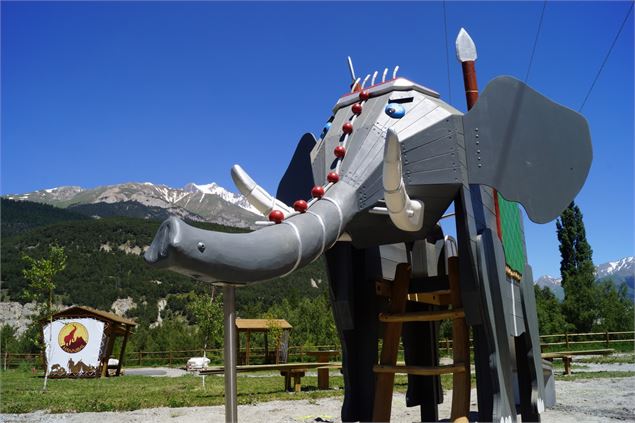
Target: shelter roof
{"x":261,"y":324}
{"x":85,"y":311}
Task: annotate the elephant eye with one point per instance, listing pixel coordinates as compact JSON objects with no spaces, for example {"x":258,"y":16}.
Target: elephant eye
{"x":395,"y":110}
{"x":325,"y":129}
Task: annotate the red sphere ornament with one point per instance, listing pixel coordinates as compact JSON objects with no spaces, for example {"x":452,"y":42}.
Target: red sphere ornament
{"x":300,"y":206}
{"x":357,"y":108}
{"x":276,"y":216}
{"x":347,"y":128}
{"x":317,"y":191}
{"x":364,"y":95}
{"x":332,"y":177}
{"x":339,"y":152}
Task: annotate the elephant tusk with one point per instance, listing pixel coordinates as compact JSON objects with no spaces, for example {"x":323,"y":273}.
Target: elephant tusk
{"x":257,"y":195}
{"x":405,"y":213}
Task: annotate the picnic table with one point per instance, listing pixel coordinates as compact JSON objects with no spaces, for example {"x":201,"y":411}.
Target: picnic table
{"x":323,"y":356}
{"x":567,"y":356}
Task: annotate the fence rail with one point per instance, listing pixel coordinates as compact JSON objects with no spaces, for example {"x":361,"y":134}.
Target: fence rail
{"x":299,"y":353}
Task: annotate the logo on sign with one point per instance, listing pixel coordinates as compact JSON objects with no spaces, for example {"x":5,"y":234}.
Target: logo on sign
{"x":73,"y":337}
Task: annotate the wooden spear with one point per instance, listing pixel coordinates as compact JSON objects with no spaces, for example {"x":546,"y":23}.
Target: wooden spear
{"x":466,"y":53}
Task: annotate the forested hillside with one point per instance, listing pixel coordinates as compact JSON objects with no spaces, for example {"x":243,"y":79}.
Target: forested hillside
{"x":20,"y":216}
{"x":105,"y":263}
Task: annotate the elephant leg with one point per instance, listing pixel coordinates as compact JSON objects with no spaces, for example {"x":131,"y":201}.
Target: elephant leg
{"x":352,"y":274}
{"x":497,"y":346}
{"x":528,"y":357}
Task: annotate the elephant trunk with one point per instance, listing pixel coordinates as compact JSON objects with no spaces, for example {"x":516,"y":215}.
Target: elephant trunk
{"x":267,"y":253}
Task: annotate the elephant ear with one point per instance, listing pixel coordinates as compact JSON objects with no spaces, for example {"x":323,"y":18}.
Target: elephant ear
{"x":297,"y":181}
{"x":527,"y":147}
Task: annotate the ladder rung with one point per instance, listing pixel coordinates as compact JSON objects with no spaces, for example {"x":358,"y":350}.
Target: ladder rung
{"x":422,"y":316}
{"x":441,"y":297}
{"x":421,"y":370}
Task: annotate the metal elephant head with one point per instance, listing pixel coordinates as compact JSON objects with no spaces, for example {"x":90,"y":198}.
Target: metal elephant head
{"x":391,"y":162}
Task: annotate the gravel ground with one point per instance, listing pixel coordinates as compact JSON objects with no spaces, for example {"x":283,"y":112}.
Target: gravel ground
{"x":589,"y":400}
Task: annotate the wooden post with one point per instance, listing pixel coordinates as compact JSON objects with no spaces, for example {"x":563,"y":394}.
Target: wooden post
{"x":384,"y":383}
{"x":266,"y":348}
{"x":447,"y":346}
{"x":169,"y":358}
{"x":140,"y":358}
{"x":123,"y":349}
{"x":566,"y":340}
{"x":607,"y":339}
{"x":460,"y":349}
{"x":247,"y":342}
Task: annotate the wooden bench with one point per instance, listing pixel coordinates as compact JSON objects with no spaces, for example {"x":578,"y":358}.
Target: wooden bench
{"x":297,"y":375}
{"x":567,"y":356}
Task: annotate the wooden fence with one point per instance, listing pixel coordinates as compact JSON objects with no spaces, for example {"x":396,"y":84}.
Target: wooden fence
{"x":557,"y":342}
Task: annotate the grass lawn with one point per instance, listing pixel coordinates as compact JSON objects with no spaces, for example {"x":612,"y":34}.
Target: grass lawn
{"x":21,"y":391}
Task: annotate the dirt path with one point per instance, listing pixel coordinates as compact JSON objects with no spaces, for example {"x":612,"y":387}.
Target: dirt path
{"x":588,"y":400}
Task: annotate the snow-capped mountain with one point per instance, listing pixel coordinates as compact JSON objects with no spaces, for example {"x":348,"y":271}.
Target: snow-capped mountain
{"x":211,"y":202}
{"x":622,"y":267}
{"x":215,"y":189}
{"x":620,"y":271}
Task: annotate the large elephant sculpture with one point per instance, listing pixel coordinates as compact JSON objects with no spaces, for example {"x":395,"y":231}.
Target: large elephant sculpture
{"x":391,"y":161}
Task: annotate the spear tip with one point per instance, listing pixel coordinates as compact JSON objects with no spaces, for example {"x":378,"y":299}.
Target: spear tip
{"x":465,"y":47}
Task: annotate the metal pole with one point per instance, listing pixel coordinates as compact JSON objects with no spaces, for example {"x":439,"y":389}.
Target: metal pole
{"x":229,"y":307}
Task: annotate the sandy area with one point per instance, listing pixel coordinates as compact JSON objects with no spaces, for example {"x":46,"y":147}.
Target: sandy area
{"x":589,"y":400}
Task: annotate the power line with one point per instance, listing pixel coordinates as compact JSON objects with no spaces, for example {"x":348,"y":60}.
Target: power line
{"x":533,"y":51}
{"x":597,"y":75}
{"x":447,"y":55}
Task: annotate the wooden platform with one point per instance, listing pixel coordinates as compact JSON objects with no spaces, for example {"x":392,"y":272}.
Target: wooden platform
{"x":270,"y":367}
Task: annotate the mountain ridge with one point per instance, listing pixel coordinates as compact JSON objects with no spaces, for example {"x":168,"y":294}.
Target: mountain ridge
{"x":206,"y":202}
{"x":620,"y":271}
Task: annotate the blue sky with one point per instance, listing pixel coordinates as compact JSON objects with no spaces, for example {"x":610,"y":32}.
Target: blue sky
{"x":103,"y":93}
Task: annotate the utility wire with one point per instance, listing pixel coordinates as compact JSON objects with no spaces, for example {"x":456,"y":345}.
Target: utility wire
{"x":533,"y":51}
{"x":597,"y":75}
{"x":447,"y":55}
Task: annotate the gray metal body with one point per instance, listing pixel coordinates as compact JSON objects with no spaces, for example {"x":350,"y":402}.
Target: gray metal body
{"x":530,"y":149}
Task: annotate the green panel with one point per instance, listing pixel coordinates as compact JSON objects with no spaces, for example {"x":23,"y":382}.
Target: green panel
{"x":513,"y":236}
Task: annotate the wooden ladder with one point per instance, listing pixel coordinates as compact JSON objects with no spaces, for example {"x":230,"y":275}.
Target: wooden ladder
{"x":387,"y":367}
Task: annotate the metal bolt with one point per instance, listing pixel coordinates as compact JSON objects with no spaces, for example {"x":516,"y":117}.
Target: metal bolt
{"x":479,"y":165}
{"x":201,"y":247}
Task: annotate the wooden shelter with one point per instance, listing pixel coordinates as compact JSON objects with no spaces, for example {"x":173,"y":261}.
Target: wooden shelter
{"x":79,"y":341}
{"x":248,"y":326}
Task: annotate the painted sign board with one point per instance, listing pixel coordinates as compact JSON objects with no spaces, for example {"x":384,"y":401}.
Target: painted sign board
{"x":73,"y":347}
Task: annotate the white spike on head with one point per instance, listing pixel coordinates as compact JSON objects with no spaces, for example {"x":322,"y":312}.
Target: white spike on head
{"x":372,"y":82}
{"x":465,"y":47}
{"x":355,"y":84}
{"x":365,"y":80}
{"x":394,"y":72}
{"x":350,"y":68}
{"x":383,"y":76}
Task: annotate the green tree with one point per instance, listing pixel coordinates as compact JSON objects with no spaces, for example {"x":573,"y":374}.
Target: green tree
{"x":577,"y":270}
{"x":208,"y":312}
{"x":615,"y":308}
{"x":40,"y":275}
{"x":548,"y":309}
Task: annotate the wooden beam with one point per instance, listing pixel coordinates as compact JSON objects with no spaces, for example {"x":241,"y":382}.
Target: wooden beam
{"x":121,"y":353}
{"x":247,"y":342}
{"x":384,"y":383}
{"x":421,"y":370}
{"x":422,"y":316}
{"x":461,"y":384}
